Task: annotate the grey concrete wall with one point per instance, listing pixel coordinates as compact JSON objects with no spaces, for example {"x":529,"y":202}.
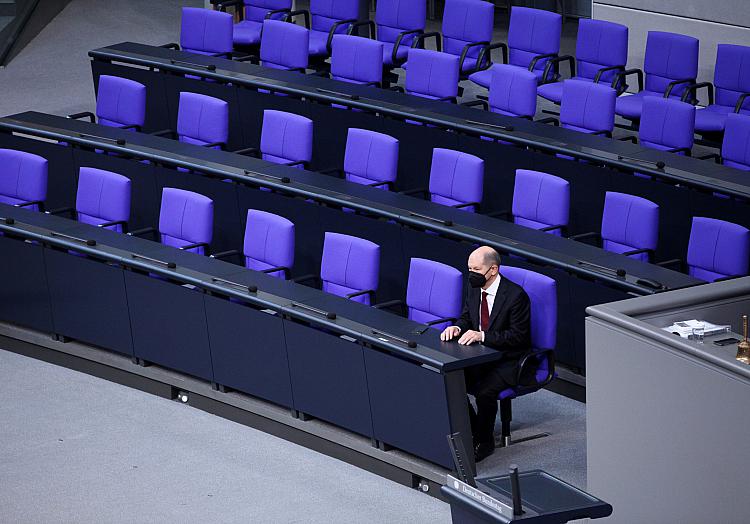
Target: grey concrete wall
{"x":717,"y":21}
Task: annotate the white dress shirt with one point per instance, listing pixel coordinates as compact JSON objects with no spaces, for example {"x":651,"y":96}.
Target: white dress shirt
{"x":491,"y":292}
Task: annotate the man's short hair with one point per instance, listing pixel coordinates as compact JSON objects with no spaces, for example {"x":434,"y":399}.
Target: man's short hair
{"x":492,"y":257}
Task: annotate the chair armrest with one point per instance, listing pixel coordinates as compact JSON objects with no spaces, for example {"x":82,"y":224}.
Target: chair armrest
{"x":507,"y":213}
{"x":561,"y":227}
{"x":171,"y":46}
{"x":467,"y":204}
{"x":534,"y":60}
{"x":397,"y":44}
{"x":304,"y":12}
{"x":285,"y":269}
{"x":675,"y":261}
{"x":332,"y":32}
{"x":686,"y":150}
{"x":253,"y":151}
{"x":270,"y":14}
{"x":143,"y":231}
{"x":440,"y":320}
{"x":165,"y":132}
{"x":389,"y":304}
{"x":601,"y":71}
{"x":633,"y":139}
{"x":451,"y":99}
{"x":84,"y":114}
{"x":253,"y":59}
{"x":306,"y":278}
{"x":637,"y":251}
{"x":693,"y":88}
{"x":226,"y":254}
{"x":549,"y":120}
{"x":131,"y":126}
{"x":221,"y":145}
{"x":622,"y":76}
{"x":61,"y":210}
{"x":193,"y":246}
{"x":370,"y":292}
{"x":398,"y":89}
{"x":488,"y":51}
{"x":39,"y":203}
{"x":386,"y":183}
{"x":419,"y":41}
{"x":740,"y":102}
{"x":465,"y":52}
{"x":675,"y":83}
{"x":123,"y":223}
{"x":536,"y":355}
{"x":370,"y":24}
{"x":715,"y":156}
{"x":485,"y":105}
{"x":228,"y":3}
{"x":557,"y":60}
{"x":603,"y":132}
{"x":582,"y":236}
{"x":303,"y":163}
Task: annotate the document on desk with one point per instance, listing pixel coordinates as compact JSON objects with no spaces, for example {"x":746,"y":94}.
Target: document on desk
{"x":685,"y":328}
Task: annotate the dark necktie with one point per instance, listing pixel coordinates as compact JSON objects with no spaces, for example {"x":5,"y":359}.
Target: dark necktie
{"x":484,"y":317}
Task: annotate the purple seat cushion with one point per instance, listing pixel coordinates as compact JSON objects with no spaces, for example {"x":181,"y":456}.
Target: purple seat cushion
{"x":349,"y":264}
{"x":102,"y":196}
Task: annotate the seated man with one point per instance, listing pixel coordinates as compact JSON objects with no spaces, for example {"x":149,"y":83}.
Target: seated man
{"x":497,"y":313}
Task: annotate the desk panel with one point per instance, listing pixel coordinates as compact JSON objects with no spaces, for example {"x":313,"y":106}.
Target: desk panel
{"x":23,"y":281}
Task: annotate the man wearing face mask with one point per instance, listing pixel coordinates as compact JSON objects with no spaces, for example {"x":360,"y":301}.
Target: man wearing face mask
{"x":497,"y":313}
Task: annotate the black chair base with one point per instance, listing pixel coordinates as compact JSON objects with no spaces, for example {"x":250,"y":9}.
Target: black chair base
{"x":506,"y":415}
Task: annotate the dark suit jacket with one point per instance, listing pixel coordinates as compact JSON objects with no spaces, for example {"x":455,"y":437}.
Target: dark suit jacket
{"x":510,"y":319}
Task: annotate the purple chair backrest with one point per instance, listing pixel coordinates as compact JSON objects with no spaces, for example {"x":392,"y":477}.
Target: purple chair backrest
{"x":629,"y":223}
{"x":370,"y":157}
{"x":587,"y":107}
{"x":185,"y":218}
{"x":666,"y":123}
{"x":202,"y":119}
{"x":102,"y":196}
{"x":269,"y":242}
{"x":206,"y":31}
{"x":396,"y":16}
{"x":717,"y":249}
{"x":325,"y":13}
{"x":600,"y":44}
{"x":433,"y":292}
{"x":286,"y":137}
{"x":669,"y":56}
{"x":120,"y":102}
{"x":542,"y":292}
{"x":732,"y":74}
{"x":456,"y":178}
{"x":356,"y":60}
{"x":513,"y":91}
{"x":540,"y":200}
{"x":432,"y":74}
{"x":532,"y":32}
{"x":256,"y":10}
{"x":349,"y":265}
{"x":464,"y":22}
{"x":735,"y":149}
{"x":284,"y":45}
{"x":23,"y":178}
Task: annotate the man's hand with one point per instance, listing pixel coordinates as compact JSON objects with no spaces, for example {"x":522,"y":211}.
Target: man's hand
{"x":470,"y":337}
{"x":450,"y":333}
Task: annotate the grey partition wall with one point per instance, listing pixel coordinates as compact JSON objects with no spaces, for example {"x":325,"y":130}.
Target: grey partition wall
{"x":668,"y":419}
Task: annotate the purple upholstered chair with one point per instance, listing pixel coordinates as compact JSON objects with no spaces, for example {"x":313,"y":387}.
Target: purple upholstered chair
{"x":533,"y":39}
{"x":120,"y":102}
{"x":717,"y":249}
{"x":251,"y":15}
{"x":350,"y":267}
{"x":433,"y":294}
{"x":587,"y":107}
{"x":536,"y":369}
{"x":357,"y":60}
{"x":186,"y":220}
{"x":630,"y":225}
{"x":456,"y":179}
{"x":731,"y":82}
{"x":284,"y":46}
{"x":325,"y":19}
{"x":269,"y":243}
{"x":735,"y":149}
{"x":203,"y":120}
{"x":103,"y":199}
{"x":671,"y":64}
{"x":432,"y":75}
{"x":371,"y":158}
{"x":206,"y":32}
{"x":667,"y":125}
{"x":601,"y":52}
{"x":398,"y":24}
{"x":286,"y":138}
{"x":23,"y":179}
{"x":512,"y":92}
{"x":541,"y":201}
{"x":467,"y":29}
